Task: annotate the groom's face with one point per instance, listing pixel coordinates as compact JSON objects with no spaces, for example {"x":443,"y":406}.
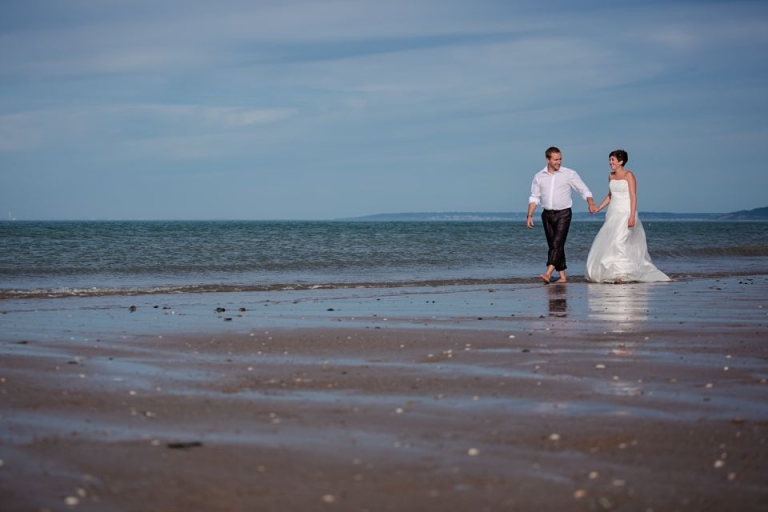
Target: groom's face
{"x":554,"y":161}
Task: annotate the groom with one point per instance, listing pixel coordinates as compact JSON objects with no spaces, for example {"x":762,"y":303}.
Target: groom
{"x":551,"y":188}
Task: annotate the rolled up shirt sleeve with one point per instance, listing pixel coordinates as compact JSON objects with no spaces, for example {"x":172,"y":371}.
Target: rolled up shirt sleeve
{"x":535,"y":196}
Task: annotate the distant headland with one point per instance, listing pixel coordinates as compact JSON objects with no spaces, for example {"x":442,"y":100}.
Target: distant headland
{"x":758,"y":214}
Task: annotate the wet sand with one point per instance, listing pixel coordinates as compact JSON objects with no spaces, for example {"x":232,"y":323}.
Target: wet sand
{"x":524,"y":397}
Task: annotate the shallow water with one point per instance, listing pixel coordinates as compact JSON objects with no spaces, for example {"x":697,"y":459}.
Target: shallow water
{"x":69,"y":259}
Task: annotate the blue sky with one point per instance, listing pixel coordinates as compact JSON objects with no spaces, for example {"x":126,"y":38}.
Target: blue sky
{"x":171,"y":109}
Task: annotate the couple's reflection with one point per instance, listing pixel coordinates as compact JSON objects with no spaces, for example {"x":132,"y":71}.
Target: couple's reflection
{"x":558,"y":300}
{"x":625,"y":305}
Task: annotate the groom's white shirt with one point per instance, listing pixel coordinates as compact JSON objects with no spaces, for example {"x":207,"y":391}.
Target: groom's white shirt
{"x":553,"y":191}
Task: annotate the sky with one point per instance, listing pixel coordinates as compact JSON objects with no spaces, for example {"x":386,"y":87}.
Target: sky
{"x":315,"y":110}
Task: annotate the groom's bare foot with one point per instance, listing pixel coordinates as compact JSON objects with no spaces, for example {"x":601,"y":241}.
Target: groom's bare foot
{"x":545,"y":278}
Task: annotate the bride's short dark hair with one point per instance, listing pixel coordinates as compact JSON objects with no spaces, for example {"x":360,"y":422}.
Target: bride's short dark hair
{"x":620,"y":155}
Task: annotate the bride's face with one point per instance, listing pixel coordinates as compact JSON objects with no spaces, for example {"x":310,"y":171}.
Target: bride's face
{"x":614,"y":163}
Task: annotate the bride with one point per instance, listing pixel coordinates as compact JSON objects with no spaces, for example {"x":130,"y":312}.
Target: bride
{"x":619,"y":253}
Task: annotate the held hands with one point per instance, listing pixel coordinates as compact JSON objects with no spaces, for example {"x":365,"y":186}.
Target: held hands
{"x":593,"y":208}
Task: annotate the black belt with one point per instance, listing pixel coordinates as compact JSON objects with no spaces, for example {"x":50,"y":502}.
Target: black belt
{"x":557,"y":211}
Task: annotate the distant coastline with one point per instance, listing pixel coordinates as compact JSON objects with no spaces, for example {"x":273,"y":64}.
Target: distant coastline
{"x":758,"y":214}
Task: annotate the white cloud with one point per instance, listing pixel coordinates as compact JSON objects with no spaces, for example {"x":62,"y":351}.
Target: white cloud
{"x":208,"y":116}
{"x":83,"y":125}
{"x":190,"y":147}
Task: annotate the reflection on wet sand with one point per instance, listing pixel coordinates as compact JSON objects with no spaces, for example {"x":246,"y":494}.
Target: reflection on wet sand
{"x":626,"y":305}
{"x":558,"y":300}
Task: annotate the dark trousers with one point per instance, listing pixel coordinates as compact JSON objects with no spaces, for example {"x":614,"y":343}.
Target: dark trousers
{"x":556,"y":224}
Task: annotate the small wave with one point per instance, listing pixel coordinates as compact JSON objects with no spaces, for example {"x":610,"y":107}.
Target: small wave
{"x":56,"y":293}
{"x":718,"y":252}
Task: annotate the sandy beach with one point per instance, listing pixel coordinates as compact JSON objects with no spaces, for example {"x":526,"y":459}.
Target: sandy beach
{"x":514,"y":397}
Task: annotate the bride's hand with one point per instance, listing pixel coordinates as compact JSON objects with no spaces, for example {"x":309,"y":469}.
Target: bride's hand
{"x":631,"y":223}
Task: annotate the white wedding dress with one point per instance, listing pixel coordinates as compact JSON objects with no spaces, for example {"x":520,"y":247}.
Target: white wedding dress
{"x":620,"y":253}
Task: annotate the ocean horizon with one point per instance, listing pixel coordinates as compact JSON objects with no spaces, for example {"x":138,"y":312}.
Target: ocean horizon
{"x":755,"y":214}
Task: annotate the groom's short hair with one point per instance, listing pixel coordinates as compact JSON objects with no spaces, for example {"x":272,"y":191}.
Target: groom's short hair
{"x":549,"y":151}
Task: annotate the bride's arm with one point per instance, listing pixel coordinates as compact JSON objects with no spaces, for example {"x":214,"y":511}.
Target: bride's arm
{"x":632,"y":198}
{"x":607,"y":198}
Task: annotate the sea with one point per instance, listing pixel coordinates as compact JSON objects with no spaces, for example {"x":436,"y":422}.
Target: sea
{"x":61,"y":259}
